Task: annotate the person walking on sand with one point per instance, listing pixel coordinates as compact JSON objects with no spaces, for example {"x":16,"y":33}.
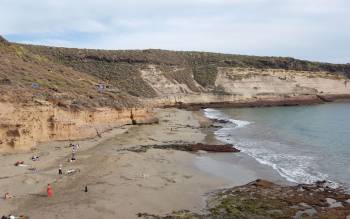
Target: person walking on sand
{"x":74,"y":151}
{"x":49,"y":191}
{"x":73,"y":156}
{"x":60,"y":170}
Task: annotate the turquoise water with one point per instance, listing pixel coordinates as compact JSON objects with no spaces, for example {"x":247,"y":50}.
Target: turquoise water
{"x":304,"y":144}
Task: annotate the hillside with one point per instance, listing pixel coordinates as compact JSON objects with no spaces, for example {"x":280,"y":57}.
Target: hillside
{"x":50,"y":93}
{"x":160,"y":77}
{"x":26,"y":77}
{"x":122,"y":68}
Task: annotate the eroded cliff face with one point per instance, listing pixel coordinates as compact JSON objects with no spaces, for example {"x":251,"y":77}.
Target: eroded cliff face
{"x":281,"y":87}
{"x":246,"y":85}
{"x":22,"y":127}
{"x":255,"y":82}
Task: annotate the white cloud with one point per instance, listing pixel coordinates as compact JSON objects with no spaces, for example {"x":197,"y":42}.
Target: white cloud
{"x":312,"y":29}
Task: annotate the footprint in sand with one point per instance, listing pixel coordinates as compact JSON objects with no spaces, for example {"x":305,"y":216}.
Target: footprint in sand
{"x":187,"y":176}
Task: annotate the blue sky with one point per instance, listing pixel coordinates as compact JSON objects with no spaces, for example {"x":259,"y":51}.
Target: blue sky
{"x":307,"y":29}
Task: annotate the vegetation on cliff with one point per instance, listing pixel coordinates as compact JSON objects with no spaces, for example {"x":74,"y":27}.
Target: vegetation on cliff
{"x":26,"y":78}
{"x":121,"y":68}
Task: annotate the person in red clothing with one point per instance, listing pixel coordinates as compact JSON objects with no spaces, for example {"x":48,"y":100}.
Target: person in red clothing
{"x":49,"y":191}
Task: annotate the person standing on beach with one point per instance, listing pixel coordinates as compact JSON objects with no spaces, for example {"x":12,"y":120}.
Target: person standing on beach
{"x":73,"y":156}
{"x":60,"y":170}
{"x":49,"y":191}
{"x":74,"y":151}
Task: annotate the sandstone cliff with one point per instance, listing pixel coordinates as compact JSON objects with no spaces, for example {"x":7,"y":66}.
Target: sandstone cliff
{"x":23,"y":127}
{"x":234,"y":85}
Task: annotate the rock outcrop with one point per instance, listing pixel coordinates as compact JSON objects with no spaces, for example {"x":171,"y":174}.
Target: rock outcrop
{"x":23,"y":127}
{"x":213,"y":148}
{"x":249,"y":87}
{"x":264,"y":199}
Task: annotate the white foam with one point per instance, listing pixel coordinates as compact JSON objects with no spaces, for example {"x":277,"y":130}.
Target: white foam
{"x":213,"y":114}
{"x":216,"y":114}
{"x":239,"y":123}
{"x":294,"y":168}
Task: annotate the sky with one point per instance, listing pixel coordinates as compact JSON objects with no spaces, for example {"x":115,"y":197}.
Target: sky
{"x":317,"y":30}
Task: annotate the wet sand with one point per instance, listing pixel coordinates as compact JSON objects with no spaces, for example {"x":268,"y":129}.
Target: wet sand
{"x":121,"y":183}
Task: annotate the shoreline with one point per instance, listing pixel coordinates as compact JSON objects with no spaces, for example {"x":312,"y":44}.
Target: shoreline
{"x":123,"y":183}
{"x":233,"y":160}
{"x":220,"y":119}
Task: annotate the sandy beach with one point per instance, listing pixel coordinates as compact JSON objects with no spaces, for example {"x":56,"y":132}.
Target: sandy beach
{"x":120,"y":183}
{"x":125,"y":181}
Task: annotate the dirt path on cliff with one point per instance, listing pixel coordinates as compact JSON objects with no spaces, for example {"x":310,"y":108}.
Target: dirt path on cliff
{"x":120,"y":183}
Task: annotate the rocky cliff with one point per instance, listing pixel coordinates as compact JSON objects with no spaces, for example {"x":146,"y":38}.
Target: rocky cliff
{"x":52,"y":93}
{"x":242,"y":85}
{"x":23,"y":127}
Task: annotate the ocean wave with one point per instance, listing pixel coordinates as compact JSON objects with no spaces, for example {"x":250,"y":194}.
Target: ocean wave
{"x":216,"y":114}
{"x":239,"y":123}
{"x":294,"y":168}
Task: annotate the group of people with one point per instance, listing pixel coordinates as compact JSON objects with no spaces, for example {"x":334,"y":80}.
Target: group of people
{"x":74,"y":147}
{"x":49,"y":189}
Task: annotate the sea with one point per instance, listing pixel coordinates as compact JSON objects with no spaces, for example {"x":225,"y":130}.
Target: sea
{"x":304,"y":144}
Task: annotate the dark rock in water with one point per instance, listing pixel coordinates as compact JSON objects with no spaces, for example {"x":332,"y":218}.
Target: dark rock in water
{"x":320,"y":183}
{"x":226,"y":148}
{"x":215,"y":126}
{"x":220,"y":121}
